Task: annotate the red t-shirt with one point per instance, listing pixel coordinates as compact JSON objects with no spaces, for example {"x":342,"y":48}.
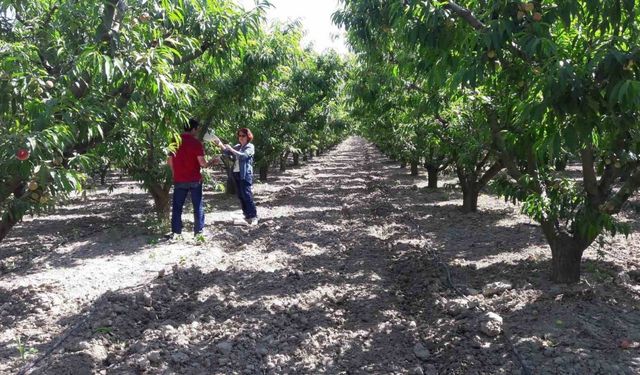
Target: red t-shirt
{"x":186,"y":167}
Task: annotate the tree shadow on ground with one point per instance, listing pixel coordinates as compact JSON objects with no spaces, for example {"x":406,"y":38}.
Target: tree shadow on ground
{"x":77,"y":226}
{"x":15,"y":305}
{"x":35,"y":243}
{"x":356,"y":290}
{"x":557,"y":329}
{"x":473,"y":236}
{"x":234,"y":321}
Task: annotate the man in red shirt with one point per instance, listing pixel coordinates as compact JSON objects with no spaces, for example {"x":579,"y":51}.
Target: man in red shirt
{"x":185,"y":166}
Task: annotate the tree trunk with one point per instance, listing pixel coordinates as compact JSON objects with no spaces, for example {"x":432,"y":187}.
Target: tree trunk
{"x":432,"y":174}
{"x":561,"y":164}
{"x":470,"y":198}
{"x":230,"y":183}
{"x":161,"y":199}
{"x":103,"y":174}
{"x":264,"y":170}
{"x":304,"y":156}
{"x":9,"y":220}
{"x":283,"y":164}
{"x":565,"y":263}
{"x":296,"y":159}
{"x":414,"y":168}
{"x":283,"y":161}
{"x":566,"y":255}
{"x":15,"y":209}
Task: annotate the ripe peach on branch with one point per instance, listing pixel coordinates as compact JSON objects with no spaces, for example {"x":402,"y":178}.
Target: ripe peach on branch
{"x":22,"y":154}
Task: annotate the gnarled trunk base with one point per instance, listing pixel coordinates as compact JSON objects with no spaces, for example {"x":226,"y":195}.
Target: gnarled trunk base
{"x":566,"y":256}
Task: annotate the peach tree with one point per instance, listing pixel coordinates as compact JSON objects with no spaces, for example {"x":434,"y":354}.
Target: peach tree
{"x":78,"y":75}
{"x":560,"y":77}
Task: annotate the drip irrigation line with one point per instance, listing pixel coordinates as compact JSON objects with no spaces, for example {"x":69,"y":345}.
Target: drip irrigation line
{"x":506,"y":333}
{"x":80,"y":321}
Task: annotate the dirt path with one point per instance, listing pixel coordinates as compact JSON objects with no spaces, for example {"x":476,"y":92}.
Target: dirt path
{"x":346,"y":274}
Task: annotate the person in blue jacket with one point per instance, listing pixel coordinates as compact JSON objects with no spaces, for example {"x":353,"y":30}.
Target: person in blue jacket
{"x":243,"y":153}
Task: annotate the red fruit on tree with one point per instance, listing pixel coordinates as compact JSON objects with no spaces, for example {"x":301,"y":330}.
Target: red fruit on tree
{"x":22,"y":154}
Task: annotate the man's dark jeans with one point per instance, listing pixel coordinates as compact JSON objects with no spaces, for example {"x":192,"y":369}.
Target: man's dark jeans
{"x":246,"y":197}
{"x":180,"y":191}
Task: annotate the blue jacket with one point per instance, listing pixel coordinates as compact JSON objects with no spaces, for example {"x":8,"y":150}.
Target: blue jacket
{"x":245,"y":159}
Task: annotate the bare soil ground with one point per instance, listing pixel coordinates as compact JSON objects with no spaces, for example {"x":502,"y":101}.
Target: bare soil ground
{"x":355,"y":268}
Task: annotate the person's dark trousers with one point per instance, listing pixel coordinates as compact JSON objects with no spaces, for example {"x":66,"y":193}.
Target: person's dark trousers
{"x":180,"y":191}
{"x":246,"y":197}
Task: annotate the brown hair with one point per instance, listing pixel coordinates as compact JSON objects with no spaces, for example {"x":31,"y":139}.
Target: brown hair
{"x":247,"y":132}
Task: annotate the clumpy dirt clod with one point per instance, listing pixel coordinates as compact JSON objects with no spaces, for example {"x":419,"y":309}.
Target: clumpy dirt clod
{"x":355,"y":268}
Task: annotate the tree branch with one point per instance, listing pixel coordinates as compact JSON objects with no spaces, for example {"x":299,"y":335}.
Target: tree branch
{"x":482,"y":162}
{"x":589,"y":175}
{"x":205,"y":46}
{"x":462,"y":175}
{"x":499,"y":144}
{"x":468,"y":16}
{"x":506,"y":158}
{"x":614,"y":204}
{"x":491,"y":173}
{"x":607,"y":179}
{"x":103,"y":33}
{"x":465,"y":14}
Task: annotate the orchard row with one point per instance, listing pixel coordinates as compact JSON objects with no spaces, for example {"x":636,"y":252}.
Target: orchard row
{"x":91,"y":85}
{"x":506,"y":93}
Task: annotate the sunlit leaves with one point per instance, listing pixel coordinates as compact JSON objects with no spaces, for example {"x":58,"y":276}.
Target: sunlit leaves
{"x":76,"y":74}
{"x":562,"y":76}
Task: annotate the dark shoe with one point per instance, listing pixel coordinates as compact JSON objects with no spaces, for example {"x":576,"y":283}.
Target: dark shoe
{"x":173,"y":236}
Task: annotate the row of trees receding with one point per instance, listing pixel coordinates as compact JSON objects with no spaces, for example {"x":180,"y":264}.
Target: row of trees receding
{"x":503,"y":92}
{"x":91,"y":85}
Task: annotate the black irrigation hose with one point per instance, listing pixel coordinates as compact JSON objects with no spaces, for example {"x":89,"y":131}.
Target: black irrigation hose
{"x":33,"y":363}
{"x":27,"y":368}
{"x":30,"y":365}
{"x":506,"y":333}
